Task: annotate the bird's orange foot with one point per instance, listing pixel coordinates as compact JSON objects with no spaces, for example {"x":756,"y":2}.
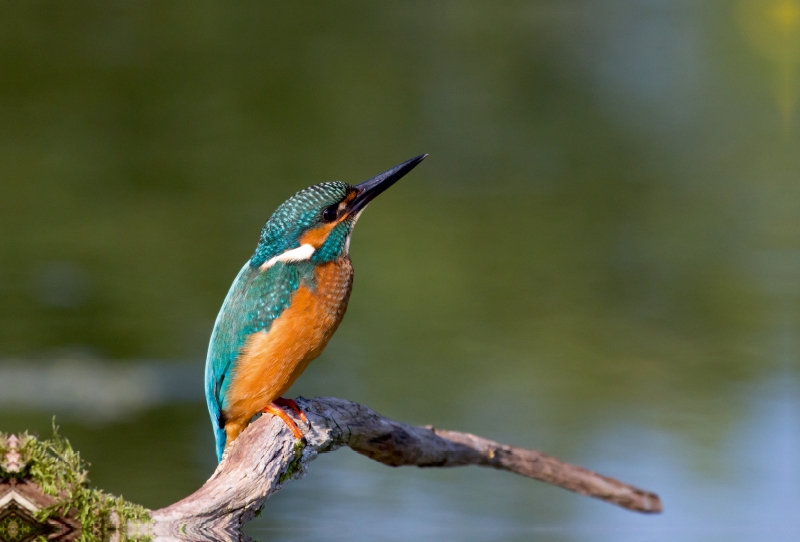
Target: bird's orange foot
{"x":292,"y":405}
{"x":275,"y":409}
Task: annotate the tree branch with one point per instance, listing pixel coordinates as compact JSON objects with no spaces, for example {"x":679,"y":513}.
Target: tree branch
{"x":266,"y":455}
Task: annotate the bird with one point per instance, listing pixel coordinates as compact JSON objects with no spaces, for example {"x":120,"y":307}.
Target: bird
{"x":285,"y":304}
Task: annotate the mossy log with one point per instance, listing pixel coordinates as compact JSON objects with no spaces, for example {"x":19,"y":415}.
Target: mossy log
{"x":44,"y":494}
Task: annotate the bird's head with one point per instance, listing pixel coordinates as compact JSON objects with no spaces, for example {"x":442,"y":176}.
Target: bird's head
{"x":315,"y":224}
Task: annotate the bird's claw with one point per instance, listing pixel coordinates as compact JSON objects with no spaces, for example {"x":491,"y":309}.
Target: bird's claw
{"x":275,"y":409}
{"x":291,"y":404}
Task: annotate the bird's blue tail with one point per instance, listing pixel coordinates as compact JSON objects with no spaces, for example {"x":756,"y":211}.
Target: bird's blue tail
{"x":215,"y":412}
{"x":221,"y":437}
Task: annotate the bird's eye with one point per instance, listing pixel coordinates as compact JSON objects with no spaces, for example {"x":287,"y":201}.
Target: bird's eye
{"x":330,"y":214}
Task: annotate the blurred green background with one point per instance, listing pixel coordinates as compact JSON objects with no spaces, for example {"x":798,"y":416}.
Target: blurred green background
{"x":599,"y":259}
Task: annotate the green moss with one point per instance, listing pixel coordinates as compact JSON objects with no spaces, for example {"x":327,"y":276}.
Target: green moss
{"x":59,"y":471}
{"x":294,"y":466}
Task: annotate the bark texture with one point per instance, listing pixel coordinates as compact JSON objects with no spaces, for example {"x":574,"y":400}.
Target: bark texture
{"x":266,"y":455}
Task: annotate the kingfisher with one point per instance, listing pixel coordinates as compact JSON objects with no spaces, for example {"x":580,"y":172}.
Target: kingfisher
{"x":285,"y":304}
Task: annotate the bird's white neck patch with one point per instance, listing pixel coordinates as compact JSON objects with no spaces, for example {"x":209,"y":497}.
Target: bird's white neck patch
{"x":347,"y":240}
{"x":299,"y":254}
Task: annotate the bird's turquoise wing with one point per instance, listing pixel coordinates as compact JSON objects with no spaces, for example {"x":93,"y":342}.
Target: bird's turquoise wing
{"x":255,"y":300}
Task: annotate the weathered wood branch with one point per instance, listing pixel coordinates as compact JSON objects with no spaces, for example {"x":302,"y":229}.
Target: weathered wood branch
{"x":266,"y":455}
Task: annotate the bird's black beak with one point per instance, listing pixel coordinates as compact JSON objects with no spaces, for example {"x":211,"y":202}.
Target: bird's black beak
{"x":368,"y":190}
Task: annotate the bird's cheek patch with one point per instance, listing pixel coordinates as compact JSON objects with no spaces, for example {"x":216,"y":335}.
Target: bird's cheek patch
{"x":316,"y":237}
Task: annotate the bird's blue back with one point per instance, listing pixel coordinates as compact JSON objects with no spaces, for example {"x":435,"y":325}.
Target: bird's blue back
{"x":256,"y":299}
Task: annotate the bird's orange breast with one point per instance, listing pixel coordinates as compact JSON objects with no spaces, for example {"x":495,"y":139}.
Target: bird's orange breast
{"x":272,"y":360}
